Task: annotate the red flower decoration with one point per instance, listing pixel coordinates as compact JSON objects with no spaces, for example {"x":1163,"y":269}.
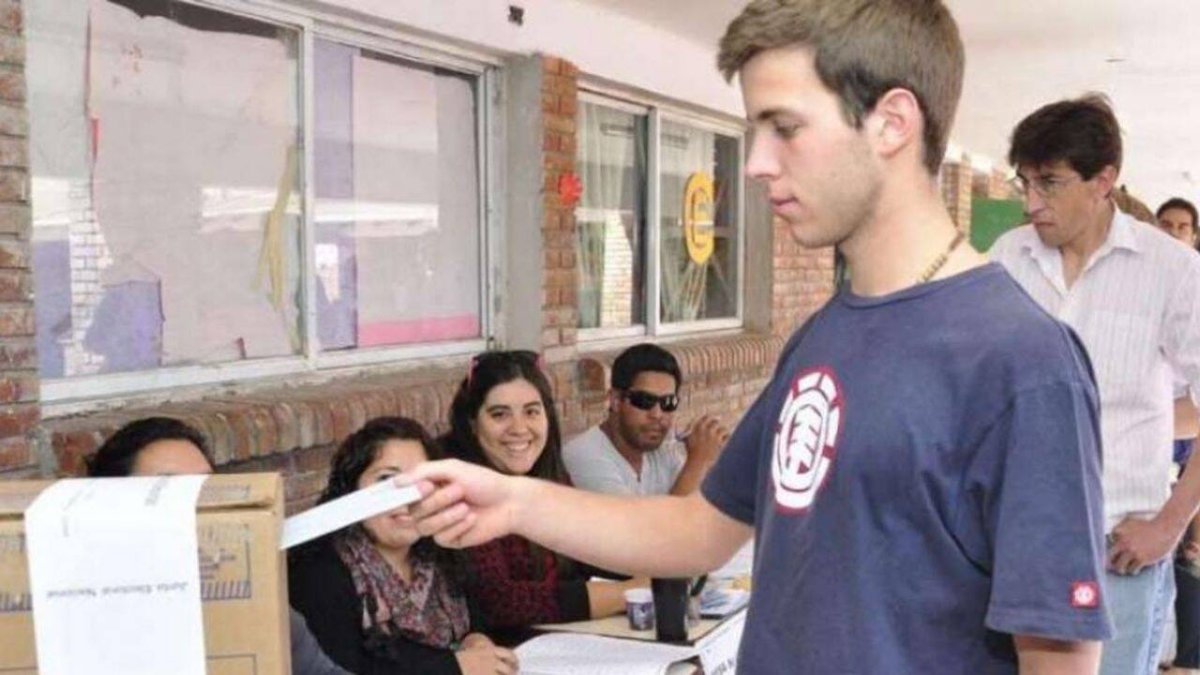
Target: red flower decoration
{"x":570,"y":188}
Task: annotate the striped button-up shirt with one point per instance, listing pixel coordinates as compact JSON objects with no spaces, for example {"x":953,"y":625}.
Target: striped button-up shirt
{"x":1136,"y":306}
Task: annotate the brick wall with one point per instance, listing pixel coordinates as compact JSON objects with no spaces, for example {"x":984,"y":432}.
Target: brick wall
{"x":560,"y":313}
{"x":992,"y":184}
{"x":19,"y":410}
{"x":957,"y":179}
{"x":801,"y":281}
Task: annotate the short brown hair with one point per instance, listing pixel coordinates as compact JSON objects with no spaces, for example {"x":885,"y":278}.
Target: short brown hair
{"x":1083,"y":132}
{"x":863,"y":49}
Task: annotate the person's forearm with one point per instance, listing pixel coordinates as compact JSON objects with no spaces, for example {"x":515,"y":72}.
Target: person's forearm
{"x":690,"y":476}
{"x":1187,"y":421}
{"x":652,"y":536}
{"x":1181,"y":506}
{"x":1041,"y":656}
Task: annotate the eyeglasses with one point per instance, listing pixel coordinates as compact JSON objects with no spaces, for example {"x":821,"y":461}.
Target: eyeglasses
{"x":644,"y":400}
{"x":1046,"y":187}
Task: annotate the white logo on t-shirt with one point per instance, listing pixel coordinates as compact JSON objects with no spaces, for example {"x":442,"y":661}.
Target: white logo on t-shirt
{"x":806,"y":438}
{"x":1085,"y":595}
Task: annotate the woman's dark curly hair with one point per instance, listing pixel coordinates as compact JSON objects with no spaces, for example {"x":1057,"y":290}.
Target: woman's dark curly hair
{"x":360,"y":449}
{"x":489,"y":370}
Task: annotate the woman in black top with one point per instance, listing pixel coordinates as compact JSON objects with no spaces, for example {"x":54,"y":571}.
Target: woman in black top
{"x":378,"y":597}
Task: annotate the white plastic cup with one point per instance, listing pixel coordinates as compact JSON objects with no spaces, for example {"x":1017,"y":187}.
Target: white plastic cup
{"x":639,"y":607}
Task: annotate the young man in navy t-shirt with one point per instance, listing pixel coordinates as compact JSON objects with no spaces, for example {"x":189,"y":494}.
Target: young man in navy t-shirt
{"x":922,"y":473}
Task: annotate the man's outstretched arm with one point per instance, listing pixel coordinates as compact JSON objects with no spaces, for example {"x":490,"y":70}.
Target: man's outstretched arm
{"x":466,"y":505}
{"x":1043,"y":656}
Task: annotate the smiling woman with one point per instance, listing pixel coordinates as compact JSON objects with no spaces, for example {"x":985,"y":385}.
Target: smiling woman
{"x":378,"y":597}
{"x":503,"y":417}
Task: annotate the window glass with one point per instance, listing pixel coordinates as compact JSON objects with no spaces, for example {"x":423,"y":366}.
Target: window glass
{"x":611,"y":216}
{"x":166,"y":173}
{"x":397,"y":201}
{"x":698,"y":235}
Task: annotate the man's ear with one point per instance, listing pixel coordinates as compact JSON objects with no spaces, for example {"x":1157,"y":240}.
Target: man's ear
{"x":614,"y":397}
{"x":896,"y":123}
{"x":1105,"y":182}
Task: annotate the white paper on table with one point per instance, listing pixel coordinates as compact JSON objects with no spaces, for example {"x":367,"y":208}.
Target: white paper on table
{"x":719,"y":649}
{"x":721,"y":602}
{"x":579,"y":654}
{"x":115,"y":577}
{"x":352,"y":508}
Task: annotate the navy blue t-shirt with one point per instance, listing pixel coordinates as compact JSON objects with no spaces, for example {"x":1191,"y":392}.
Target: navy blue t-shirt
{"x":923,"y":476}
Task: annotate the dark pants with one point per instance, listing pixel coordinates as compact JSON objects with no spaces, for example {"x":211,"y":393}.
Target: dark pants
{"x":1187,"y":616}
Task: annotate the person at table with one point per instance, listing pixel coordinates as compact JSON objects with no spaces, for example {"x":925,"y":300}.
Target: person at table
{"x":503,"y":417}
{"x":634,"y":451}
{"x":164,"y":446}
{"x":379,"y":598}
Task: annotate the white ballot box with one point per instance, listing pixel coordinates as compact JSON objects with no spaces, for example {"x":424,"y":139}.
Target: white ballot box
{"x":242,"y":582}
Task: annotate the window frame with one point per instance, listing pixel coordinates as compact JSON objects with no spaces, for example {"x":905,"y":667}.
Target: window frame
{"x":65,"y":395}
{"x":652,"y":325}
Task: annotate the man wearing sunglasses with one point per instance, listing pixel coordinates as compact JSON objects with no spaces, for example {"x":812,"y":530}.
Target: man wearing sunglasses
{"x":637,"y":450}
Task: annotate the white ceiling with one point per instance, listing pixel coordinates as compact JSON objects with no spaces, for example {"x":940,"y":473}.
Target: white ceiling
{"x":1021,"y":54}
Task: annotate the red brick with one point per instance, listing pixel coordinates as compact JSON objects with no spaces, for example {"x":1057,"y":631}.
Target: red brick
{"x":18,"y":387}
{"x":12,"y":49}
{"x":560,"y":123}
{"x":16,"y":320}
{"x":14,"y":187}
{"x":12,"y":85}
{"x":265,"y":430}
{"x":324,"y":419}
{"x":339,"y":415}
{"x":15,"y":453}
{"x":244,"y":444}
{"x":15,"y":219}
{"x":14,"y":121}
{"x":358,"y":411}
{"x":11,"y":17}
{"x":568,"y":105}
{"x":14,"y":254}
{"x":17,"y":355}
{"x":72,"y":450}
{"x":557,"y":161}
{"x":15,"y":286}
{"x":14,"y":152}
{"x":19,"y":419}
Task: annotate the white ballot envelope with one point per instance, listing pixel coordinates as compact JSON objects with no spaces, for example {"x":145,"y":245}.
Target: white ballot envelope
{"x":354,"y":507}
{"x":112,"y":562}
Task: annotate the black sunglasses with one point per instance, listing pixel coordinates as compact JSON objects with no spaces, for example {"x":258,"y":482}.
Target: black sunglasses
{"x":644,"y":400}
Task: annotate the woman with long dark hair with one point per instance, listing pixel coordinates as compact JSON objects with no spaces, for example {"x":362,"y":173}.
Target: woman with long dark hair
{"x":503,"y":417}
{"x":378,"y":596}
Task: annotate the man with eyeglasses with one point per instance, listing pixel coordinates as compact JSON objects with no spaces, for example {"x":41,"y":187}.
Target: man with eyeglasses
{"x":637,"y":449}
{"x":1133,"y":295}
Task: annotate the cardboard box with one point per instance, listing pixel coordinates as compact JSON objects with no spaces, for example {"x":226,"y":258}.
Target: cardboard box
{"x":243,"y":576}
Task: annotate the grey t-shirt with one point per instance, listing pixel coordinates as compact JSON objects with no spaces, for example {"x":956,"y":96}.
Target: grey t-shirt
{"x":594,"y":464}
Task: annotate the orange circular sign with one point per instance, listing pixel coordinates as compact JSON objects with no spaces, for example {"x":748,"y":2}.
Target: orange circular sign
{"x":698,"y":204}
